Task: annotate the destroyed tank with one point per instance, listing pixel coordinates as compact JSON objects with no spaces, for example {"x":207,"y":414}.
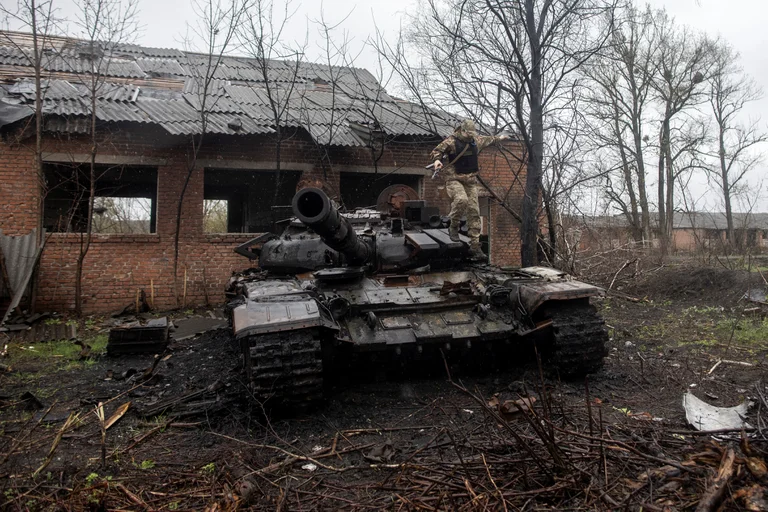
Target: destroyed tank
{"x":391,"y":281}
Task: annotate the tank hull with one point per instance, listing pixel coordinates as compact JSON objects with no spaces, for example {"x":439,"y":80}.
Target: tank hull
{"x":337,"y":286}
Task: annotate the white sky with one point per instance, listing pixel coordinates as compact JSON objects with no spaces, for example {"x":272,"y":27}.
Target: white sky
{"x":743,"y":23}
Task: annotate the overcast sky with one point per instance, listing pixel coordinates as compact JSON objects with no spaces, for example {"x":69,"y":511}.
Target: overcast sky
{"x":744,"y":23}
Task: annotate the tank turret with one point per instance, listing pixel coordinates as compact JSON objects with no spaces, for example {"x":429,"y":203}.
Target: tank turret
{"x":315,"y":209}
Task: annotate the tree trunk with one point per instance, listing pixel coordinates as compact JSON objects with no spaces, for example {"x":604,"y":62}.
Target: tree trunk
{"x":663,"y":182}
{"x":85,"y":240}
{"x":278,"y":150}
{"x":670,"y":207}
{"x":551,"y":226}
{"x":645,"y":220}
{"x":632,"y":214}
{"x":535,"y":155}
{"x":726,"y":192}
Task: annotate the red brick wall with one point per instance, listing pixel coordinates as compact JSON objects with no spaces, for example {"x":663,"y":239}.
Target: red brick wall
{"x":118,"y":265}
{"x":504,"y":172}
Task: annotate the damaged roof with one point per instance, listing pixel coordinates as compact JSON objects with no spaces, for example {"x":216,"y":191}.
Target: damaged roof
{"x":336,"y":105}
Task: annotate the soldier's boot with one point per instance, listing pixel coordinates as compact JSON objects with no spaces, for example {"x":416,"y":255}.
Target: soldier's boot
{"x":453,"y":233}
{"x":476,"y":253}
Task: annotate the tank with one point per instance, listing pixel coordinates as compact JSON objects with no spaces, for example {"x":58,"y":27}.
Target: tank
{"x":390,"y":281}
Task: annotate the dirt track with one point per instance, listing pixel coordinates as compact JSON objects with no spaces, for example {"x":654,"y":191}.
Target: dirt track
{"x":408,"y":443}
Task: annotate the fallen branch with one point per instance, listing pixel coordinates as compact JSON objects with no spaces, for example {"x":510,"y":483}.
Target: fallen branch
{"x":714,"y":494}
{"x":131,"y":496}
{"x":71,"y":420}
{"x":625,"y":265}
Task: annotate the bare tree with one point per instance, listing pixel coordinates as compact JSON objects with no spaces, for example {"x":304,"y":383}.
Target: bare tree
{"x":40,"y":19}
{"x":334,"y":53}
{"x":212,"y":36}
{"x":682,"y":63}
{"x":508,"y":64}
{"x":106,"y":25}
{"x":730,"y":90}
{"x":619,"y":103}
{"x":277,"y":63}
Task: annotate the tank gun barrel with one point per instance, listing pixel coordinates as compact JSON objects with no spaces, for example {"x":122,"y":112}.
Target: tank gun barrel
{"x":314,"y":208}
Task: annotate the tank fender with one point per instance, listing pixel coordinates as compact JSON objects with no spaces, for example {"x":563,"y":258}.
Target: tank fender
{"x":269,"y":317}
{"x":531,"y":296}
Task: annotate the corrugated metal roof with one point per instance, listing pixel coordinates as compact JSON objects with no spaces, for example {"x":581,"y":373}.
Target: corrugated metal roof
{"x":324,"y":99}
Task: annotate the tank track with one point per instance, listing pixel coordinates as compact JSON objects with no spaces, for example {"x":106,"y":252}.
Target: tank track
{"x":285,"y":369}
{"x":579,"y":338}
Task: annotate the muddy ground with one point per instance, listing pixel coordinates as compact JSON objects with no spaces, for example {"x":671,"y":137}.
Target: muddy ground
{"x":402,"y":441}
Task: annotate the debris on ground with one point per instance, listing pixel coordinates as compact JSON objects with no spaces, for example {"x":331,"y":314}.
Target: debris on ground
{"x":757,"y":295}
{"x":512,"y":439}
{"x":42,"y":332}
{"x":187,"y":328}
{"x":136,"y":337}
{"x":702,"y":416}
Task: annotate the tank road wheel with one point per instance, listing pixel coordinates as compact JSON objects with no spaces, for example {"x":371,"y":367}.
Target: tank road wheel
{"x":578,"y":339}
{"x":285,"y":369}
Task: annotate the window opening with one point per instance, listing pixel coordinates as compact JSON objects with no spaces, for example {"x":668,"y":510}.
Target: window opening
{"x":244,"y":201}
{"x":125,"y":199}
{"x":361,"y":189}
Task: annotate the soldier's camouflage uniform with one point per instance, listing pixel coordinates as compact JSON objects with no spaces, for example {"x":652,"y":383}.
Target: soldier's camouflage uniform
{"x":462,"y":188}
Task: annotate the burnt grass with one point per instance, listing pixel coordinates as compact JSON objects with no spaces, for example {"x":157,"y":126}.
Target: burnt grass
{"x":404,"y":439}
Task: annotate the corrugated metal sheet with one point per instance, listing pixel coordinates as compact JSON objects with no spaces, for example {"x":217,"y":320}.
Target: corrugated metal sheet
{"x":321,"y":99}
{"x":260,"y":114}
{"x":220,"y":123}
{"x":194,"y":84}
{"x":20,"y":254}
{"x":214,"y":104}
{"x":162,"y":111}
{"x":160,"y":66}
{"x":69,"y":124}
{"x":333,"y":135}
{"x":117,"y":111}
{"x":64,"y":108}
{"x":165,"y":53}
{"x":46,"y":332}
{"x":115,"y":92}
{"x":122,"y":68}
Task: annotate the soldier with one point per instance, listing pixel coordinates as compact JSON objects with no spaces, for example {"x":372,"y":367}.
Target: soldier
{"x":460,"y":152}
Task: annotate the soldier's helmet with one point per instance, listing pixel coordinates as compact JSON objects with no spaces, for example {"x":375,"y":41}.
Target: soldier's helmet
{"x":466,"y":131}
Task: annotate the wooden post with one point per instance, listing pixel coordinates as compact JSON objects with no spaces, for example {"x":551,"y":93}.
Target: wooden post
{"x":184,"y":299}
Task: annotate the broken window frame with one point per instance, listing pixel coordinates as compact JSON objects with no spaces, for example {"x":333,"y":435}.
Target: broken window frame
{"x":65,"y":205}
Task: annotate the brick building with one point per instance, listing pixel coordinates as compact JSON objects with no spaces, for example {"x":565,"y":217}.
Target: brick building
{"x":691,"y":232}
{"x":339,"y":126}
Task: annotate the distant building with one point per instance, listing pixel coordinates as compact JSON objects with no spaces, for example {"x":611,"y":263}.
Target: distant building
{"x":341,"y":128}
{"x":692,"y":231}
